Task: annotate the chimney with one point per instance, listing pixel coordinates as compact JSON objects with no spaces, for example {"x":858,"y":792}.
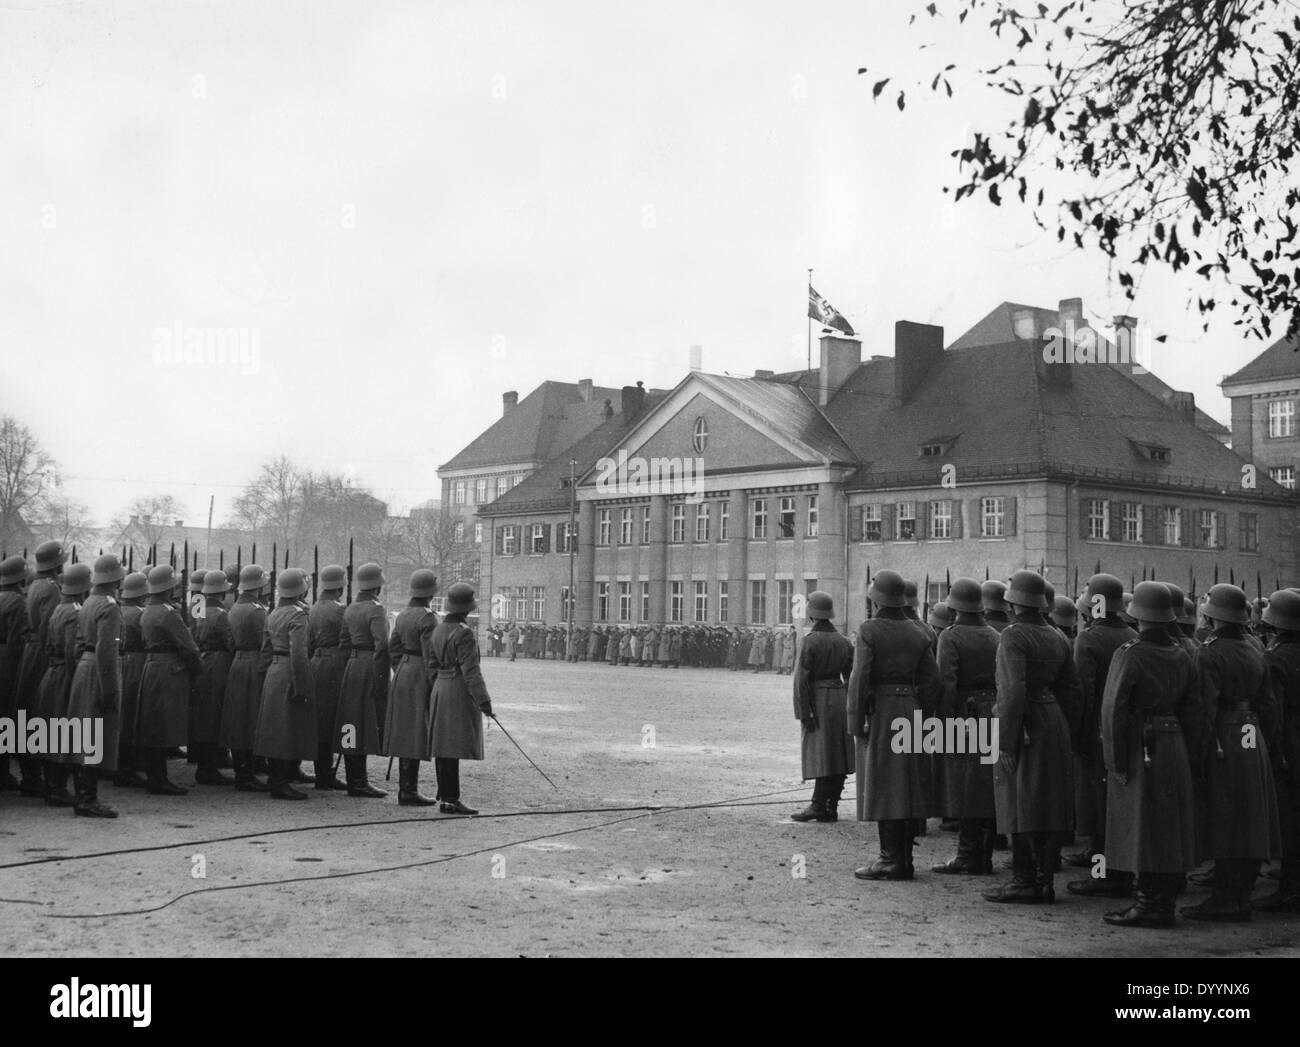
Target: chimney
{"x":135,"y":521}
{"x":1125,"y":332}
{"x":607,"y":412}
{"x":1054,"y":359}
{"x":764,"y":374}
{"x":917,"y":348}
{"x":838,"y":358}
{"x":1185,"y":405}
{"x":179,"y":524}
{"x":1070,"y":315}
{"x":1024,"y":324}
{"x":584,"y":389}
{"x":633,"y":401}
{"x":509,"y":400}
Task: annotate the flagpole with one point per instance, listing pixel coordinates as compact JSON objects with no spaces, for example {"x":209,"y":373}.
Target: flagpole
{"x":809,"y":312}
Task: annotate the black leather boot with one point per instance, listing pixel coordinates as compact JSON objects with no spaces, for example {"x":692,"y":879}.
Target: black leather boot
{"x":1153,"y":907}
{"x":987,"y":834}
{"x":1287,"y":896}
{"x":280,"y":786}
{"x":33,"y":780}
{"x":56,"y":786}
{"x":245,"y":780}
{"x":1022,"y":888}
{"x":87,"y":801}
{"x":1224,"y":905}
{"x":155,"y":765}
{"x":891,"y":865}
{"x":965,"y":861}
{"x":207,"y":773}
{"x":128,"y":776}
{"x":358,"y":783}
{"x":812,"y":813}
{"x":408,"y":790}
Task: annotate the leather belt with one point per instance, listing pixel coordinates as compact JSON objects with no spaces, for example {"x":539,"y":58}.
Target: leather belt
{"x":897,"y":689}
{"x":448,"y":674}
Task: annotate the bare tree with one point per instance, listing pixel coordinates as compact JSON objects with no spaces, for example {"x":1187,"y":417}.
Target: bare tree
{"x":144,"y":522}
{"x":1163,"y":132}
{"x":26,"y":473}
{"x":65,"y":520}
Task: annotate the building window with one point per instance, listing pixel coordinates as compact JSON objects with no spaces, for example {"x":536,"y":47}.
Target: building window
{"x":784,"y":602}
{"x":508,"y":540}
{"x":603,"y":527}
{"x":1160,"y":454}
{"x":645,"y":525}
{"x":625,"y":527}
{"x":679,"y":522}
{"x":702,"y":522}
{"x":460,"y":492}
{"x":1172,"y":524}
{"x":813,"y":517}
{"x":516,"y":480}
{"x":700,"y":435}
{"x":941,"y":519}
{"x":645,"y":601}
{"x":1283,"y":475}
{"x":873,"y":525}
{"x":1098,"y":518}
{"x":539,"y":602}
{"x":478,"y":532}
{"x":570,"y":537}
{"x":676,"y":599}
{"x":722,"y":601}
{"x":624,"y":601}
{"x":1281,"y":418}
{"x":905,"y":515}
{"x":724,"y":514}
{"x":758,"y":517}
{"x":701,"y":601}
{"x":1130,"y":519}
{"x":931,"y":450}
{"x":1249,"y":533}
{"x":757,"y":602}
{"x":480,"y":490}
{"x":993,"y":515}
{"x":785,"y":523}
{"x":602,"y":601}
{"x":1207,"y":522}
{"x":458,"y":532}
{"x":521,"y":603}
{"x":503,"y":485}
{"x":537,"y":542}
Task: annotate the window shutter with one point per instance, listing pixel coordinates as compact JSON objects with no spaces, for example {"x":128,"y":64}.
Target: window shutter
{"x":574,"y":537}
{"x":1222,"y":528}
{"x":1084,"y":506}
{"x":1185,"y":528}
{"x":923,"y":511}
{"x":1009,"y":520}
{"x":1113,"y":525}
{"x":887,"y":521}
{"x":955,"y":508}
{"x":546,"y":538}
{"x":498,"y":539}
{"x":855,"y":523}
{"x":1150,"y":516}
{"x":1194,"y":534}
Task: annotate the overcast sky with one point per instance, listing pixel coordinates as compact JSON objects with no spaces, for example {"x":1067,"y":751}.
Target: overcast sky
{"x":410,"y":208}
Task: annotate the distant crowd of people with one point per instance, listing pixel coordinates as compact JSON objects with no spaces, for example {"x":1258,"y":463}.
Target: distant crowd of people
{"x":739,"y":648}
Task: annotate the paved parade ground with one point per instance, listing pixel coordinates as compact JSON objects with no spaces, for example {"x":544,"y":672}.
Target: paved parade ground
{"x":527,"y":879}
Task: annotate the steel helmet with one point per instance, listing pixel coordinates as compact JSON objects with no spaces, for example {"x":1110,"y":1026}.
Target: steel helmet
{"x":76,"y":580}
{"x":108,"y":569}
{"x":1152,"y":602}
{"x":134,"y":585}
{"x":965,"y":596}
{"x":820,"y":606}
{"x":290,"y":584}
{"x":1028,"y":589}
{"x":888,"y":589}
{"x":423,"y":583}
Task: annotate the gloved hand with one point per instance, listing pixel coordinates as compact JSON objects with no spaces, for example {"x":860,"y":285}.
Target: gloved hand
{"x":809,"y":721}
{"x":487,"y":709}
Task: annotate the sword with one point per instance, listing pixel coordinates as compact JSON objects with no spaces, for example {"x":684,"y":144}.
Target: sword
{"x":494,"y":719}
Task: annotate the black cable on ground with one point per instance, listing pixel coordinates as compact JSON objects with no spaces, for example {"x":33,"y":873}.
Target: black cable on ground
{"x":737,"y":802}
{"x":642,"y":812}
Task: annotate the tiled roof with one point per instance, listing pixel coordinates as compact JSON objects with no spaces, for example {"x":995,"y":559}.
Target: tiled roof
{"x":998,"y":328}
{"x":550,"y":418}
{"x":1279,"y":360}
{"x":1006,"y":419}
{"x":770,"y":400}
{"x":546,"y":489}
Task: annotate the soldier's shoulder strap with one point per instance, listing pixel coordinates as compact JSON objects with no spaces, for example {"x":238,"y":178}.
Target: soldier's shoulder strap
{"x":1209,"y":639}
{"x":1126,"y":645}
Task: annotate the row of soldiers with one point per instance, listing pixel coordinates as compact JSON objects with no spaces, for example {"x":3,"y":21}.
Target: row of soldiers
{"x":1162,"y":749}
{"x":270,"y":687}
{"x":752,"y":648}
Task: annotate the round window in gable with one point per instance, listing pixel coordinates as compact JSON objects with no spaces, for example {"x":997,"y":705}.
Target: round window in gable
{"x":700,"y":435}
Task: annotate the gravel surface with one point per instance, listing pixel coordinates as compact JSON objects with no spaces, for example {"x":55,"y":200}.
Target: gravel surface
{"x":531,"y":879}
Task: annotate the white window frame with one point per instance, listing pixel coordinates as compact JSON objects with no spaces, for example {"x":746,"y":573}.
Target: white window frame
{"x":872,"y":514}
{"x":521,"y":603}
{"x":503,"y":485}
{"x":1130,"y":522}
{"x":602,"y":601}
{"x":458,"y":492}
{"x":605,"y":526}
{"x":758,"y":601}
{"x":645,"y":601}
{"x":458,"y":531}
{"x":785,"y":601}
{"x":1281,"y":419}
{"x":1171,"y":525}
{"x":480,"y":490}
{"x":723,"y":606}
{"x":724,"y":520}
{"x":1283,"y":475}
{"x":478,"y":532}
{"x":786,"y":514}
{"x":507,"y":539}
{"x":625,"y":526}
{"x":624,"y":601}
{"x":702,"y":520}
{"x":904,"y":512}
{"x":758,"y":518}
{"x":537,"y":539}
{"x":814,"y":517}
{"x":941,"y":519}
{"x":993,"y":517}
{"x":676,"y":601}
{"x":678,"y":523}
{"x":701,"y":601}
{"x":1208,"y":519}
{"x":539,"y":603}
{"x":1098,"y":520}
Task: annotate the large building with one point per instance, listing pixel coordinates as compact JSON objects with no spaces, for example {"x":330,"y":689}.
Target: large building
{"x":977,"y":459}
{"x":1265,"y":397}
